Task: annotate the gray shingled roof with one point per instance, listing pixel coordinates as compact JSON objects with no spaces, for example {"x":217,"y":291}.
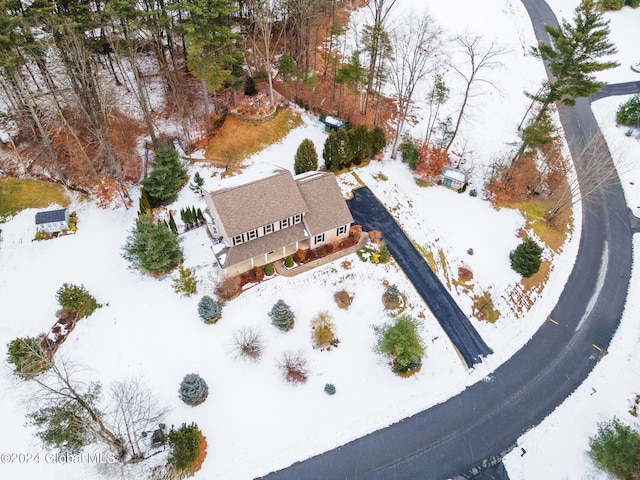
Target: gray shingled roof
{"x":265,"y":244}
{"x":327,"y":208}
{"x":258,"y":202}
{"x":51,"y":216}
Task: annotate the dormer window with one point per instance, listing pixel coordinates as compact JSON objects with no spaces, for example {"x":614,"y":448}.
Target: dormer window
{"x":284,"y":223}
{"x":253,"y":234}
{"x":342,"y":230}
{"x":238,"y":239}
{"x":297,"y":218}
{"x":268,"y":229}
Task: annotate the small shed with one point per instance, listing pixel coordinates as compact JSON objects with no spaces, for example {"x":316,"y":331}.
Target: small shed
{"x":333,"y":123}
{"x":453,"y":178}
{"x":52,"y":221}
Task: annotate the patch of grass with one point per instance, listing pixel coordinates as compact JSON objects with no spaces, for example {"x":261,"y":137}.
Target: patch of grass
{"x":552,"y":234}
{"x":483,"y":308}
{"x":538,"y":279}
{"x":381,"y":177}
{"x":17,"y":194}
{"x":237,"y":139}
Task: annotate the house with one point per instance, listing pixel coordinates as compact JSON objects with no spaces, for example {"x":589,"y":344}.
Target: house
{"x":52,"y":221}
{"x":264,"y":216}
{"x":453,"y":178}
{"x":333,"y":123}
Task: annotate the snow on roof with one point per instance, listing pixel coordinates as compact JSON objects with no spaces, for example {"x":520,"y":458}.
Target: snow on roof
{"x":338,"y":122}
{"x":51,"y":216}
{"x":454,"y":174}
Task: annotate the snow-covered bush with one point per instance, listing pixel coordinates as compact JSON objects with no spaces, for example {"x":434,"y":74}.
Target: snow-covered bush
{"x":193,"y":389}
{"x":209,"y":309}
{"x":281,"y":316}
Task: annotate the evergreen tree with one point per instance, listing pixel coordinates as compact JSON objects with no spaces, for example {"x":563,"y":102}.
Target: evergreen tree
{"x":378,"y":140}
{"x":526,"y":258}
{"x":167,"y":176}
{"x":193,"y":389}
{"x":76,"y":299}
{"x":306,"y":159}
{"x":185,"y":445}
{"x":409,"y":152}
{"x":199,"y":215}
{"x":337,"y":151}
{"x":172,"y":224}
{"x":27,"y":356}
{"x":209,"y":309}
{"x":281,"y":316}
{"x":152,"y":246}
{"x":144,"y":203}
{"x":360,"y":143}
{"x":186,"y":282}
{"x":198,"y":183}
{"x":250,"y":87}
{"x":401,"y":341}
{"x":616,"y":449}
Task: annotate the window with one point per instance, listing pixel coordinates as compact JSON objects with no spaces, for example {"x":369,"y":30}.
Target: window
{"x":318,"y":239}
{"x":268,"y":229}
{"x":214,"y":229}
{"x":253,"y":234}
{"x":238,"y":239}
{"x":297,"y":218}
{"x":284,"y":223}
{"x":342,"y":230}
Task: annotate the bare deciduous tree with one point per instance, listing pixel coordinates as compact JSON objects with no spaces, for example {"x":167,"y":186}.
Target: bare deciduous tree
{"x":416,"y":47}
{"x":478,"y":59}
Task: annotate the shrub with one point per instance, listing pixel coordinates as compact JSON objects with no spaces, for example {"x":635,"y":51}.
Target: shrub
{"x":248,"y":343}
{"x":378,"y":140}
{"x":186,"y":282}
{"x":293,"y":366}
{"x":185,"y":445}
{"x":337,"y":150}
{"x":76,"y":299}
{"x":209,"y":309}
{"x":343,"y":298}
{"x":193,"y":389}
{"x":228,"y":288}
{"x":400,"y":340}
{"x":616,"y":448}
{"x":300,"y":255}
{"x":360,"y":143}
{"x":629,"y":112}
{"x":27,"y":356}
{"x":391,"y":298}
{"x":633,"y":3}
{"x":288,"y":262}
{"x":611,"y":4}
{"x":330,"y":389}
{"x":322,"y":327}
{"x":281,"y":316}
{"x":306,"y":158}
{"x":384,"y":253}
{"x":259,"y":273}
{"x":409,"y":152}
{"x":526,"y":258}
{"x":268,"y":270}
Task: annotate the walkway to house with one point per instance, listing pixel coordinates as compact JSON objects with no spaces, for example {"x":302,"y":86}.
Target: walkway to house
{"x":372,"y":215}
{"x":305,"y":267}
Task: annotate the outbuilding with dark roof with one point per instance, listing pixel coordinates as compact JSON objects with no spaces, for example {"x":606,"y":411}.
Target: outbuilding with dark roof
{"x":52,"y":221}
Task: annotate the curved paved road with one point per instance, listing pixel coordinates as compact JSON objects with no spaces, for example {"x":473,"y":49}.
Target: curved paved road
{"x":488,"y":418}
{"x":371,"y":214}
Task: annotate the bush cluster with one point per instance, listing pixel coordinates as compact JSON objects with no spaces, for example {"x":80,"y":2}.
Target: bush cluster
{"x":400,"y":340}
{"x":185,"y":446}
{"x":629,"y":112}
{"x":342,"y":148}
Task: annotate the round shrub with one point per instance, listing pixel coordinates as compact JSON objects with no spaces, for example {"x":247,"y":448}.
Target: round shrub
{"x":611,"y":4}
{"x":281,"y":316}
{"x":526,"y":258}
{"x":629,"y":112}
{"x":288,"y":262}
{"x":330,"y":389}
{"x":76,"y":299}
{"x":193,"y":389}
{"x":400,"y":340}
{"x":209,"y":309}
{"x":268,"y":270}
{"x":185,"y":444}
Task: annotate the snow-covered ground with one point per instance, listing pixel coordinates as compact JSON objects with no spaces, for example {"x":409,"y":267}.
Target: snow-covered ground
{"x":253,"y":421}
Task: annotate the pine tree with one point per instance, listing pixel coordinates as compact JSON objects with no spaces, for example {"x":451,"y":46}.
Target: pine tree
{"x":172,"y":224}
{"x":209,"y":309}
{"x":337,"y":151}
{"x":152,"y":246}
{"x":616,"y":448}
{"x":76,"y":299}
{"x":360,"y":143}
{"x":27,"y":356}
{"x":401,"y":341}
{"x":250,"y":87}
{"x":167,"y":176}
{"x":526,"y":258}
{"x":306,"y":159}
{"x":281,"y":316}
{"x":198,"y":183}
{"x":200,"y":216}
{"x":185,"y":446}
{"x":193,"y":389}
